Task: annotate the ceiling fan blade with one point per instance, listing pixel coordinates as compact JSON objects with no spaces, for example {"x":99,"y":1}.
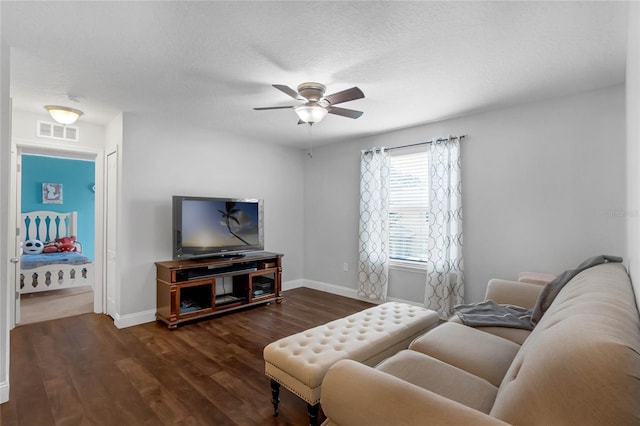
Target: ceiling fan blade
{"x":345,"y":96}
{"x":277,"y":107}
{"x":350,"y":113}
{"x":287,"y":90}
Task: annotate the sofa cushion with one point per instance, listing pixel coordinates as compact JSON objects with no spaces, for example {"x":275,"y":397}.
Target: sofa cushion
{"x":354,"y":394}
{"x":515,"y":293}
{"x":441,"y":378}
{"x":516,"y":335}
{"x":581,"y":363}
{"x":479,"y":353}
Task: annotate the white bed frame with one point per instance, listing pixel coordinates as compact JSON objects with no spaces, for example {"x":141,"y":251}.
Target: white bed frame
{"x":47,"y":226}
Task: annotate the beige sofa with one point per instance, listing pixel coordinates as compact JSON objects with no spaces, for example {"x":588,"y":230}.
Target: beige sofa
{"x":579,"y":366}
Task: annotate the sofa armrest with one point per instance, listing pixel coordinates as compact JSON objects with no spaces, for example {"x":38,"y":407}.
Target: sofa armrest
{"x":355,"y":394}
{"x":513,"y":293}
{"x":541,"y":278}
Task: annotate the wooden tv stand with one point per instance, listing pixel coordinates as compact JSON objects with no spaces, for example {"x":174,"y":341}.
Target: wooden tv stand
{"x":198,"y":288}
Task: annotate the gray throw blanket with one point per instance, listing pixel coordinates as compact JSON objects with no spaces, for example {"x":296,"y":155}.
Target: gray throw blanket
{"x":491,"y":314}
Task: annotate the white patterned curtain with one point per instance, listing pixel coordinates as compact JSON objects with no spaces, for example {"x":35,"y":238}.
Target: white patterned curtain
{"x":374,"y":224}
{"x":445,"y":276}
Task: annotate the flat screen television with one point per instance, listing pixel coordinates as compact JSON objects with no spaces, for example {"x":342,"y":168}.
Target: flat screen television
{"x":216,"y":227}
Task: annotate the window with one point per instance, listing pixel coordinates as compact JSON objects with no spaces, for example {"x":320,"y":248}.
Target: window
{"x":408,"y":206}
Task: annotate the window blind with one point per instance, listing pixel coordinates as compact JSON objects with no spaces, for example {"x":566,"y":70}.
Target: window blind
{"x":408,"y":206}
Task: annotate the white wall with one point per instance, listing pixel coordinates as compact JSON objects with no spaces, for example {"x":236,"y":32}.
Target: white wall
{"x":162,"y":159}
{"x":543,"y":184}
{"x":6,"y":297}
{"x":91,"y":136}
{"x":633,"y":145}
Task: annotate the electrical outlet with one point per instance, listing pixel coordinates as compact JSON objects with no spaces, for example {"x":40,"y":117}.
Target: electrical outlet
{"x":345,"y":267}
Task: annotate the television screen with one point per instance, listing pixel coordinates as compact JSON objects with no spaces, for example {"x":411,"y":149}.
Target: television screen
{"x":204,"y":227}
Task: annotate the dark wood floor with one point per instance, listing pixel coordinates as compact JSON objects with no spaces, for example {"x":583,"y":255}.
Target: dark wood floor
{"x":83,"y":371}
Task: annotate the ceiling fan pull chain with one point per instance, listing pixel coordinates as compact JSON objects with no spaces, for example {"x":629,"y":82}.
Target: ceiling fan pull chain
{"x":310,"y":152}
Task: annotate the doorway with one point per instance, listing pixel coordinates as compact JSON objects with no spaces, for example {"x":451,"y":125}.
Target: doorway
{"x":75,"y":174}
{"x":55,"y":304}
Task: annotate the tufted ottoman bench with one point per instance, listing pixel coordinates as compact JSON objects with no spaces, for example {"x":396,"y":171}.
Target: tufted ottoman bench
{"x":300,"y":361}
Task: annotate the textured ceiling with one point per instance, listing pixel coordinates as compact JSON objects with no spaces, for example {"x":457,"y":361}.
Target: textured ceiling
{"x":208,"y":64}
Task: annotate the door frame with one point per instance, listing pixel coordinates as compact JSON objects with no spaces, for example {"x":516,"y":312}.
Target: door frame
{"x":110,"y":210}
{"x":20,"y":147}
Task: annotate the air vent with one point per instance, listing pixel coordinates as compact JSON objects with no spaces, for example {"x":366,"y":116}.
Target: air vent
{"x":58,"y":131}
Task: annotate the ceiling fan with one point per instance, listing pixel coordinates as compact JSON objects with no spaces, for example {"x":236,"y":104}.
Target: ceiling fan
{"x":315,"y":105}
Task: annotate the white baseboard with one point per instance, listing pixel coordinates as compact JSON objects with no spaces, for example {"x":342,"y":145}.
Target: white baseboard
{"x":332,"y":288}
{"x":138,"y":318}
{"x":348,"y":292}
{"x":124,"y":321}
{"x":4,"y":392}
{"x":290,"y":285}
{"x":408,"y":302}
{"x":130,"y":320}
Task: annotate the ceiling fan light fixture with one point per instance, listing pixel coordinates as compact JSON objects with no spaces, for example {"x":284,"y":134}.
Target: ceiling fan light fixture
{"x":63,"y":115}
{"x":311,"y":113}
{"x":316,"y":105}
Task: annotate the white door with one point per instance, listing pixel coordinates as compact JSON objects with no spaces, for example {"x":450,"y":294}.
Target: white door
{"x":111,"y":223}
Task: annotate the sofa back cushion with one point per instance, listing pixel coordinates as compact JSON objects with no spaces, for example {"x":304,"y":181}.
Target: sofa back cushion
{"x":581,"y":364}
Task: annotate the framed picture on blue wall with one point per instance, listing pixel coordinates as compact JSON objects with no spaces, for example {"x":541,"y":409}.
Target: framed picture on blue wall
{"x":51,"y":193}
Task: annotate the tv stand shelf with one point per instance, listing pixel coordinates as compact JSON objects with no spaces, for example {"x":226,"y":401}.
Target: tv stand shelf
{"x":197,"y":288}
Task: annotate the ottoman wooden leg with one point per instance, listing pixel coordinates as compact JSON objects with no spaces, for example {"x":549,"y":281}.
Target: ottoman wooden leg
{"x":275,"y":396}
{"x":313,"y":411}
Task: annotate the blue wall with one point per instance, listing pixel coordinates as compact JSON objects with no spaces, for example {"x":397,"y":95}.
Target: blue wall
{"x":77,"y":178}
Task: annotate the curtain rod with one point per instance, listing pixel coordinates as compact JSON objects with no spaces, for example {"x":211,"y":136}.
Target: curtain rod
{"x":420,"y":143}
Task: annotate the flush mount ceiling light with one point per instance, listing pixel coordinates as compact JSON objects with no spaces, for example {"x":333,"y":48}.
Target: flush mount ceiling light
{"x":63,"y":115}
